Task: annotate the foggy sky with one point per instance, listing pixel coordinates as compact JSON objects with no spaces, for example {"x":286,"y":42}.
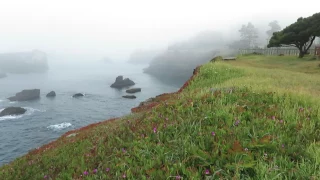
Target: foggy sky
{"x":118,"y":27}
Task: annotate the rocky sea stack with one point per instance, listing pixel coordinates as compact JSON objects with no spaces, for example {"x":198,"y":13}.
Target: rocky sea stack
{"x":121,"y":83}
{"x":24,"y":62}
{"x":12,"y":111}
{"x":133,"y":90}
{"x":78,"y":95}
{"x":129,"y":96}
{"x":26,"y":95}
{"x":51,"y":94}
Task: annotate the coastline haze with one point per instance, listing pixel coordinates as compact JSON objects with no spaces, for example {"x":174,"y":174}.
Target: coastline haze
{"x":116,"y":29}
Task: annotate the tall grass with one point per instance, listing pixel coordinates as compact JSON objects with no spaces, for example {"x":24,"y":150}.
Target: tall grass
{"x":233,"y":121}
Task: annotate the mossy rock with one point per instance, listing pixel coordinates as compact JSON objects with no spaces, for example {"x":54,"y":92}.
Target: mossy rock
{"x":217,"y":58}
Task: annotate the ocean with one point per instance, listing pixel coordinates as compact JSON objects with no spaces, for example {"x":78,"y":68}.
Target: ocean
{"x":47,"y":119}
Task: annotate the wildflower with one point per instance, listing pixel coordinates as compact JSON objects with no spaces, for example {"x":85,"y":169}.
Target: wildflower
{"x":95,"y":170}
{"x":237,"y":122}
{"x":154,"y":129}
{"x":165,"y":125}
{"x":265,"y":155}
{"x":246,"y":149}
{"x":45,"y":177}
{"x":167,"y":119}
{"x":124,"y":176}
{"x":124,"y":150}
{"x":273,"y":117}
{"x":107,"y":169}
{"x":281,"y":121}
{"x":213,"y":133}
{"x":178,"y":177}
{"x":207,"y":171}
{"x":301,"y":109}
{"x":85,"y":172}
{"x":282,"y":145}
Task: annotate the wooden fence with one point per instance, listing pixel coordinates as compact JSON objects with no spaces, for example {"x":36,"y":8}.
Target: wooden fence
{"x":275,"y":51}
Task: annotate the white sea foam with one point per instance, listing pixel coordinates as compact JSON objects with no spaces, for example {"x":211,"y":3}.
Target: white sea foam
{"x":57,"y":127}
{"x":10,"y":117}
{"x":31,"y":110}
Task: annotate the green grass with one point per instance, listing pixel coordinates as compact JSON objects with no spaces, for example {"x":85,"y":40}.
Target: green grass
{"x":254,"y":118}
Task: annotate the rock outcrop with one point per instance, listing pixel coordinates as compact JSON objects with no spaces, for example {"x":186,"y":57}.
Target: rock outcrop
{"x":121,"y":83}
{"x":217,"y":58}
{"x":23,"y":62}
{"x":133,"y":90}
{"x":129,"y":96}
{"x":51,"y":94}
{"x":12,"y":111}
{"x":77,"y":95}
{"x":26,"y":95}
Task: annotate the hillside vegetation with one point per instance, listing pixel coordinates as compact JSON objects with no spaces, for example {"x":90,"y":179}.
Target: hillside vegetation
{"x":254,"y":118}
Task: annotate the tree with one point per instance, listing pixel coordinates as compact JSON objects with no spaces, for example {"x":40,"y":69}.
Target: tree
{"x":314,"y":22}
{"x":300,"y":34}
{"x":249,"y":34}
{"x":274,"y":28}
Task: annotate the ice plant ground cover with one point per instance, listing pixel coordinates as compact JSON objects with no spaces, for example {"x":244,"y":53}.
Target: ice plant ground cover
{"x":254,"y":118}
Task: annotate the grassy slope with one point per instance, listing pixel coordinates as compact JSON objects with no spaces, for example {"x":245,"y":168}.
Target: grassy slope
{"x":254,"y":118}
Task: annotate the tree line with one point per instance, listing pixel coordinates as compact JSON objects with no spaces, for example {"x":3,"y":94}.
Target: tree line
{"x":249,"y":35}
{"x":300,"y":34}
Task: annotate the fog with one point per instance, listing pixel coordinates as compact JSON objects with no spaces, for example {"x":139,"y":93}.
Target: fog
{"x":117,"y":28}
{"x":78,"y":48}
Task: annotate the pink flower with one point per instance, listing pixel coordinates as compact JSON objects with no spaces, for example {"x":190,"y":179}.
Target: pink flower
{"x":207,"y":171}
{"x":167,"y":119}
{"x":95,"y":170}
{"x":124,"y":176}
{"x":213,"y":133}
{"x":85,"y":172}
{"x":124,"y":150}
{"x":155,"y":130}
{"x":282,"y":145}
{"x":273,"y":117}
{"x":281,"y":121}
{"x":45,"y":177}
{"x":107,"y":169}
{"x":237,"y":122}
{"x":178,"y":177}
